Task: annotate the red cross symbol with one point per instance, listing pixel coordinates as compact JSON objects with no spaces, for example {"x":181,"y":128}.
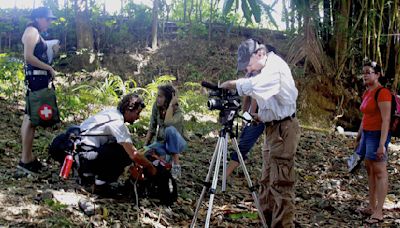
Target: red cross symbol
{"x":45,"y":112}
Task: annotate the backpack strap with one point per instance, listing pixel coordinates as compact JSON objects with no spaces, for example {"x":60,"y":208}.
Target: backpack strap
{"x":393,"y":101}
{"x":96,"y":126}
{"x":377,"y":94}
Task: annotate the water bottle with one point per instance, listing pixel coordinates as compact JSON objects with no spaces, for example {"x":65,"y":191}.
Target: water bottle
{"x":66,"y":168}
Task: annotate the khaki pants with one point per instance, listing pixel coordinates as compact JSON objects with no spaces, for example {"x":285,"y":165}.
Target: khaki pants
{"x":278,"y":174}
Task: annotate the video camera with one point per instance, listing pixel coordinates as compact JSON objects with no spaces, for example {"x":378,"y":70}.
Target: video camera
{"x":221,"y":99}
{"x":225,"y":100}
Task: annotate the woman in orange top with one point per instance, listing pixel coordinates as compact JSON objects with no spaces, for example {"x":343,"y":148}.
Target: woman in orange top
{"x":375,"y":137}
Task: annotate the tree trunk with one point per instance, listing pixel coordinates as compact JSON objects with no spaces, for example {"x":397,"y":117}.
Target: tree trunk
{"x":397,"y":45}
{"x":326,"y":21}
{"x":373,"y":30}
{"x":154,"y":25}
{"x":123,"y":2}
{"x":285,"y":14}
{"x":189,"y":18}
{"x":365,"y":31}
{"x":84,"y":31}
{"x":184,"y":10}
{"x":378,"y":40}
{"x":200,"y":11}
{"x":65,"y":27}
{"x":210,"y":21}
{"x":197,"y":10}
{"x":299,"y":17}
{"x":190,"y":11}
{"x":292,"y":17}
{"x":390,"y":39}
{"x":342,"y":24}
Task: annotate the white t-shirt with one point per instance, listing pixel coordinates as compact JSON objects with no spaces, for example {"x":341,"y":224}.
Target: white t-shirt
{"x":274,"y":89}
{"x":114,"y":129}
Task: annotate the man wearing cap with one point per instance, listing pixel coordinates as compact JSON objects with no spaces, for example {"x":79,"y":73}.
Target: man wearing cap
{"x":38,"y":74}
{"x":106,"y":147}
{"x":250,"y":131}
{"x":275,"y":92}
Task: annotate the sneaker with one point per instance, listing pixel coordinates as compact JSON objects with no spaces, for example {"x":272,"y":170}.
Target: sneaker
{"x":33,"y":167}
{"x":176,"y":171}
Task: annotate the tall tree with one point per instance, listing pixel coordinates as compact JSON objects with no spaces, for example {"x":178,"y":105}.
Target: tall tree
{"x":341,"y":30}
{"x":154,"y":25}
{"x":84,"y":31}
{"x":184,"y":10}
{"x":211,"y":20}
{"x":326,"y":21}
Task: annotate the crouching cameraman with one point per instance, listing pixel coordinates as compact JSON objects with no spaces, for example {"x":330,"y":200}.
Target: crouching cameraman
{"x":107,"y":144}
{"x":275,"y":92}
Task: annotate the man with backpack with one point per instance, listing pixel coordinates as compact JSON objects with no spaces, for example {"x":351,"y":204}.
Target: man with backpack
{"x":107,"y":146}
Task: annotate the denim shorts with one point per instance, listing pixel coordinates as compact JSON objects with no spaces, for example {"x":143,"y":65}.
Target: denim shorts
{"x":369,"y":144}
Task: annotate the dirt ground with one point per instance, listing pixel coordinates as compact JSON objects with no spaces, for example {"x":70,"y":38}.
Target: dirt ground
{"x":326,"y":195}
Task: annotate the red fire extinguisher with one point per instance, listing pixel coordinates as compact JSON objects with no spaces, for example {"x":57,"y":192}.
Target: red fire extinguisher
{"x":66,"y":168}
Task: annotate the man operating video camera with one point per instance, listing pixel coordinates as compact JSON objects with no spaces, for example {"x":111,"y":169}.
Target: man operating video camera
{"x":275,"y":92}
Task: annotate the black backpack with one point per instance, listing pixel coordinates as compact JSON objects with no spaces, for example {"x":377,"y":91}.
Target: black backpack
{"x":63,"y":143}
{"x":161,"y":186}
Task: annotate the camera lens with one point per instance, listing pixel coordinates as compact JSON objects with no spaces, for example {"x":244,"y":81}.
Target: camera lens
{"x":215,"y":104}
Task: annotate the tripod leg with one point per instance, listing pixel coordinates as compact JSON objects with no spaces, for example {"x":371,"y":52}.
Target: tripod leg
{"x":212,"y":163}
{"x":224,"y":161}
{"x":214,"y":182}
{"x":249,"y":182}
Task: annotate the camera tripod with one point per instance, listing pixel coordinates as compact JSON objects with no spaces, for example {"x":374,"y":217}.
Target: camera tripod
{"x":220,"y":151}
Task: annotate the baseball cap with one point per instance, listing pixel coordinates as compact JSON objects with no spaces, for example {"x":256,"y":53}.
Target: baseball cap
{"x":245,"y":50}
{"x":42,"y":12}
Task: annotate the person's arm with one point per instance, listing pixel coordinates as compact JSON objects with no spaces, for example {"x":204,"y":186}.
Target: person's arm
{"x":138,"y":158}
{"x":169,"y":115}
{"x":246,"y":104}
{"x":384,"y":108}
{"x":358,"y":138}
{"x":29,"y":39}
{"x":263,"y":86}
{"x":153,"y":125}
{"x":176,"y":120}
{"x":231,"y":84}
{"x":253,"y":106}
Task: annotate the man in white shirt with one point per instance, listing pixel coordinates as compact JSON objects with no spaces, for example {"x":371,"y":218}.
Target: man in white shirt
{"x":108,"y":145}
{"x":275,"y":92}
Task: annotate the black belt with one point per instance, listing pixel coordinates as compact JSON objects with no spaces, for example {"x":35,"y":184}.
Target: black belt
{"x":267,"y":124}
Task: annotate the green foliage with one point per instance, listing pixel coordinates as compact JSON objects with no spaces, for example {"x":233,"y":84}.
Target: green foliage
{"x":246,"y":11}
{"x":54,"y":205}
{"x":268,"y":9}
{"x":250,"y":8}
{"x":77,"y":99}
{"x":11,"y":77}
{"x":190,"y":100}
{"x":227,"y":7}
{"x":255,"y":10}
